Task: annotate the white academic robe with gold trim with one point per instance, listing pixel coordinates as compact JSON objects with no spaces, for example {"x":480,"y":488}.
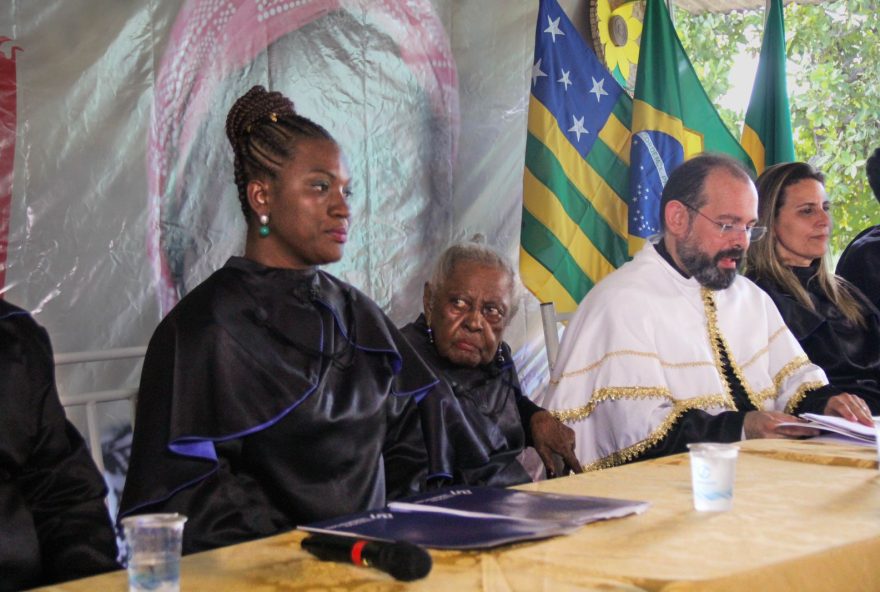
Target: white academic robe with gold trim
{"x":639,"y":352}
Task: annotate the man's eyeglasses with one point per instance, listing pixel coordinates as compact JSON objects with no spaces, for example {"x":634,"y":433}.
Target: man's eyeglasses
{"x":754,"y":232}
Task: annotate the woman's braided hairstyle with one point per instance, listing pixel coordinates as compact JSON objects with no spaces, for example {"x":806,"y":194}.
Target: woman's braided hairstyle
{"x":263,"y":128}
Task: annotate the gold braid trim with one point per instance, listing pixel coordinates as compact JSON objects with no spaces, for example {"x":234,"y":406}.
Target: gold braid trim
{"x":630,"y":453}
{"x":626,"y":352}
{"x":784,"y":373}
{"x":789,"y":369}
{"x":612,"y":393}
{"x":766,"y":348}
{"x":714,"y":338}
{"x":799,"y":395}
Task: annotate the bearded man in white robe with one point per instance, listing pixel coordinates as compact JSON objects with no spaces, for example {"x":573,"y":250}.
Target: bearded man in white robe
{"x":675,"y":347}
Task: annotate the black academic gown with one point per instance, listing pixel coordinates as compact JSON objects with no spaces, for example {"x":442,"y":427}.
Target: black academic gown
{"x":860,"y":264}
{"x":849,"y":355}
{"x":264,"y":402}
{"x":54,"y":525}
{"x":468,"y":430}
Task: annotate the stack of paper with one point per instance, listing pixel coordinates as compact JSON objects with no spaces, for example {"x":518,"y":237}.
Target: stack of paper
{"x":838,"y":425}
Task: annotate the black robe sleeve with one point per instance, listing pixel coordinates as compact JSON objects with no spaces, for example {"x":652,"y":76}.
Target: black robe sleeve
{"x":848,"y":353}
{"x":527,"y":408}
{"x":860,"y":264}
{"x":696,"y":425}
{"x":54,"y":524}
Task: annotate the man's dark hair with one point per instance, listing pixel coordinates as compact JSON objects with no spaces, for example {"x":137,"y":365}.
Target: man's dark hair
{"x":686,"y":182}
{"x":872,"y":168}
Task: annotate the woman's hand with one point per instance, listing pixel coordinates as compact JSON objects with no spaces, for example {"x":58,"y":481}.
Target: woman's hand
{"x":849,"y":407}
{"x":551,"y":437}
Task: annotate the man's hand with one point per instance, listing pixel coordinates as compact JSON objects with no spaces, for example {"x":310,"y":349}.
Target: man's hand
{"x":551,"y":437}
{"x":765,"y":424}
{"x":849,"y":407}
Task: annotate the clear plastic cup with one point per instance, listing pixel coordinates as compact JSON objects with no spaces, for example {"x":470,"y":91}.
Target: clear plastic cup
{"x":153,"y":544}
{"x":713,"y":469}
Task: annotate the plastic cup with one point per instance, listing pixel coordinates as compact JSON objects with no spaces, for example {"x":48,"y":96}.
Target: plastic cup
{"x":153,"y":551}
{"x":713,"y":468}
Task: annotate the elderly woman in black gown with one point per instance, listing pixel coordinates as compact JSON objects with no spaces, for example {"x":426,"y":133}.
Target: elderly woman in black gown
{"x":267,"y":392}
{"x":834,"y":322}
{"x":477,"y":421}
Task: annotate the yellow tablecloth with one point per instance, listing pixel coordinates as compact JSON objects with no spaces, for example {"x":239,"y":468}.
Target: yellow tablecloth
{"x":795,"y":525}
{"x":815,"y":451}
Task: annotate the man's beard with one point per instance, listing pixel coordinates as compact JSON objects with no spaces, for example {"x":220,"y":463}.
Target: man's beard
{"x":705,"y":269}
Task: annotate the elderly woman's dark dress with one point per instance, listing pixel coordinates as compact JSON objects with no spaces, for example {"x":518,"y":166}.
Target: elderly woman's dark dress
{"x":472,"y":425}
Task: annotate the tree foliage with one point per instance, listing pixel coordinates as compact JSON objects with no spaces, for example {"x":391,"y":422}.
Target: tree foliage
{"x":833,"y":83}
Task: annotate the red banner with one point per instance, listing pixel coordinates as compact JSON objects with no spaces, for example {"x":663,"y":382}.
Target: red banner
{"x":7,"y":145}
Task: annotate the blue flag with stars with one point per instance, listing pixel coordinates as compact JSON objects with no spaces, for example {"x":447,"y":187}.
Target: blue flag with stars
{"x":576,"y":178}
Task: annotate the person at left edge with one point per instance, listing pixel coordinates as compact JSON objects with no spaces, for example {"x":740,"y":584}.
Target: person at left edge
{"x":54,"y":525}
{"x":267,"y":391}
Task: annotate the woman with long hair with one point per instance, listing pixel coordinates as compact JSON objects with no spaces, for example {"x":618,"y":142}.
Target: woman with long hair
{"x":836,"y":325}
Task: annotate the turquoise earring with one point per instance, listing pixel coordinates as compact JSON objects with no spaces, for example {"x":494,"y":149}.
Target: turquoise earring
{"x":264,"y":225}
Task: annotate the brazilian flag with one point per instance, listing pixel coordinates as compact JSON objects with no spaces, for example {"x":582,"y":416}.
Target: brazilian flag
{"x":673,"y":120}
{"x":767,"y":130}
{"x":576,"y":179}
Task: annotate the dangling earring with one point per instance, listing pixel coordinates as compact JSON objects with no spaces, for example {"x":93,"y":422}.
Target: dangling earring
{"x":499,"y":356}
{"x":264,"y":225}
{"x":430,"y":333}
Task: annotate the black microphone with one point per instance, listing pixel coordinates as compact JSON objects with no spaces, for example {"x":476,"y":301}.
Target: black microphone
{"x":404,"y":561}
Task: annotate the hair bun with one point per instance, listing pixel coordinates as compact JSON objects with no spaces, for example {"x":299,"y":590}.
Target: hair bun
{"x":254,"y":106}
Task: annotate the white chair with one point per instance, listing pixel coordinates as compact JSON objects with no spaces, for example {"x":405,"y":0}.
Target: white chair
{"x":91,"y":400}
{"x":550,"y":320}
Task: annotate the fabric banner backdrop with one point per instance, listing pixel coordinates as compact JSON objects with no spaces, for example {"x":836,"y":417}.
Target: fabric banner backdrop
{"x":673,"y":119}
{"x":575,"y":183}
{"x":116,"y":183}
{"x":766,"y":132}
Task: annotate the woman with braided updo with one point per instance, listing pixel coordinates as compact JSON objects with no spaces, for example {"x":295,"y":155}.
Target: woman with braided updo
{"x":267,"y":392}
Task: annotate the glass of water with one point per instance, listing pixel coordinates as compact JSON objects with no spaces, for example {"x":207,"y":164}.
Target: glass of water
{"x":152,"y":544}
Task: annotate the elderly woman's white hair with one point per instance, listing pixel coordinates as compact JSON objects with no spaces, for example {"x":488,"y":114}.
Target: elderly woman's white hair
{"x":475,"y":252}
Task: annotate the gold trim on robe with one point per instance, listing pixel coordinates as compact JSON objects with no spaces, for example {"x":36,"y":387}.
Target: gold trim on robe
{"x":643,"y":349}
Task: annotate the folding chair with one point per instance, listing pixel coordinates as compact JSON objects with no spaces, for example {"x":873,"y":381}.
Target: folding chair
{"x":550,"y":320}
{"x":90,"y":400}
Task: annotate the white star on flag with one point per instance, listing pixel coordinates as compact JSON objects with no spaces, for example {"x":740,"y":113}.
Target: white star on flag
{"x":536,"y":72}
{"x":565,"y":79}
{"x":553,"y":29}
{"x":598,"y":89}
{"x":578,"y":127}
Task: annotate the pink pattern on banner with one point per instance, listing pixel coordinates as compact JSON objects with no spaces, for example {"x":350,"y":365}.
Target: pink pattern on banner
{"x":237,"y":31}
{"x":7,"y":145}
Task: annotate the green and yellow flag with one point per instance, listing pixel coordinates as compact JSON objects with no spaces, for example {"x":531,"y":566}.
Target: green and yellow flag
{"x":673,"y":119}
{"x":767,"y":130}
{"x":576,"y":180}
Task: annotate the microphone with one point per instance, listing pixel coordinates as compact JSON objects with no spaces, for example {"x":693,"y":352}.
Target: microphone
{"x":404,"y":561}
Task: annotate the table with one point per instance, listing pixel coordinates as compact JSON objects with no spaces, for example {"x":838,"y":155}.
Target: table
{"x":815,"y":450}
{"x":795,"y":525}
